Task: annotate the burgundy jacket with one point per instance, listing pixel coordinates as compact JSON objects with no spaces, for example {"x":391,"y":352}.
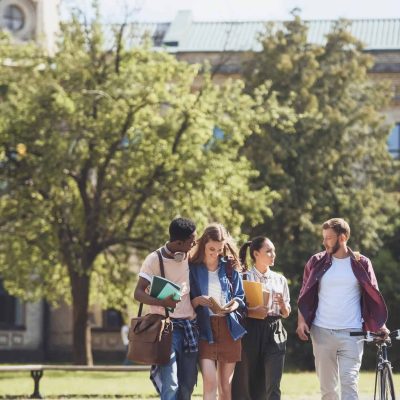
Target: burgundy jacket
{"x":373,"y":307}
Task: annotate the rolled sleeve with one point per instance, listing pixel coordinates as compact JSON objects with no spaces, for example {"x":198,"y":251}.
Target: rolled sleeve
{"x":146,"y":276}
{"x":150,"y":267}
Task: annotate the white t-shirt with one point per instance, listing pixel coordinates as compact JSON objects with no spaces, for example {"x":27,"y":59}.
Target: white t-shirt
{"x":177,"y":272}
{"x":339,"y":297}
{"x":214,"y":288}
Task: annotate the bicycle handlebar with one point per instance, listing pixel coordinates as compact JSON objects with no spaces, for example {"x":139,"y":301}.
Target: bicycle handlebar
{"x":393,"y":335}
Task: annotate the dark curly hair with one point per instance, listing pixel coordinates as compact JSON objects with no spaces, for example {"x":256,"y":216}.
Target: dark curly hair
{"x":181,"y":229}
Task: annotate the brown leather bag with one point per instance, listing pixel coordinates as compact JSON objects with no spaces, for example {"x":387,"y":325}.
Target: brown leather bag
{"x":150,"y":336}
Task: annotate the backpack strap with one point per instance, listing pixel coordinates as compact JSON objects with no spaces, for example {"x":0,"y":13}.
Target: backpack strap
{"x":229,"y":274}
{"x":241,"y":314}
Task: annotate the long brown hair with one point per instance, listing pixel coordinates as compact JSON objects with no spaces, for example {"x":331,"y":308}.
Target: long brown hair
{"x":217,"y":233}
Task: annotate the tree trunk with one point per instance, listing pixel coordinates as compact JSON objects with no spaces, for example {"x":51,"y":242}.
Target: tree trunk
{"x":82,"y":352}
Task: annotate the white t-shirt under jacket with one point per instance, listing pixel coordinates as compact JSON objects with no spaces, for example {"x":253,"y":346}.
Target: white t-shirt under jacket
{"x":339,"y":297}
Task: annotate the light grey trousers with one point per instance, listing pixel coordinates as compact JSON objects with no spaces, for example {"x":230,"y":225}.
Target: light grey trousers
{"x":337,"y":362}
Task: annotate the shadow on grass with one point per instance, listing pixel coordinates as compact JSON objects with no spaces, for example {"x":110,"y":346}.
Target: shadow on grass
{"x":86,"y":396}
{"x":79,"y":396}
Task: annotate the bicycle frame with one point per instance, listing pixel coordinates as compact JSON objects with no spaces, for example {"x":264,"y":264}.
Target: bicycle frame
{"x":383,"y":374}
{"x":381,"y":362}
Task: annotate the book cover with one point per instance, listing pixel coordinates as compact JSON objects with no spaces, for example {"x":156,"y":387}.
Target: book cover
{"x":255,"y":296}
{"x":217,"y":308}
{"x":162,"y":288}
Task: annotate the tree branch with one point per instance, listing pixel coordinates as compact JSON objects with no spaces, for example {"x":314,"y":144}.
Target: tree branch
{"x":146,"y":193}
{"x":138,"y":243}
{"x":119,"y":47}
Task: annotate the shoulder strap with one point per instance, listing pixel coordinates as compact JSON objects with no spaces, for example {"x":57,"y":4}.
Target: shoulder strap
{"x":229,"y":274}
{"x":140,"y":309}
{"x":229,"y":271}
{"x":163,"y":275}
{"x":161,"y":263}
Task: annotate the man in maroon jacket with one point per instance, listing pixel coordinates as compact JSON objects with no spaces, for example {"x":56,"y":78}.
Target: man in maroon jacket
{"x":339,"y":294}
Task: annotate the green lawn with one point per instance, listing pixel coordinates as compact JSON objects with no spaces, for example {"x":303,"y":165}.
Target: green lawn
{"x":136,"y":385}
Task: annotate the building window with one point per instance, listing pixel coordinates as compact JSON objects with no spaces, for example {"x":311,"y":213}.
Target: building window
{"x":159,"y":34}
{"x":14,"y":18}
{"x":112,"y":319}
{"x":108,"y":320}
{"x":12,"y":311}
{"x":394,"y":141}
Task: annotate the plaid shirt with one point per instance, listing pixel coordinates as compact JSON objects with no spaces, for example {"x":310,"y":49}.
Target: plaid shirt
{"x":190,"y":333}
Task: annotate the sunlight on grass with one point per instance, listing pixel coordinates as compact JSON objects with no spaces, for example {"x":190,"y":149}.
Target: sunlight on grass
{"x":56,"y":384}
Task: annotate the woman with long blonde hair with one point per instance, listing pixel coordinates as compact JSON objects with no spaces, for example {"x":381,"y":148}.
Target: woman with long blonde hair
{"x":214,"y":279}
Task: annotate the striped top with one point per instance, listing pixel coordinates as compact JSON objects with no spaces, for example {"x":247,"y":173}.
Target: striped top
{"x":273,"y":283}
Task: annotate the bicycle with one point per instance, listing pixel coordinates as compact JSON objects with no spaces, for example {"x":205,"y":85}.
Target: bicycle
{"x":383,"y":375}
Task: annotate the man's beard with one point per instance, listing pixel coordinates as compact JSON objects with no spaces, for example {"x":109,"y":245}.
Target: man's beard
{"x":335,"y":248}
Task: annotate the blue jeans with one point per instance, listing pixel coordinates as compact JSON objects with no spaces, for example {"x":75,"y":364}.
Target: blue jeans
{"x":180,"y":375}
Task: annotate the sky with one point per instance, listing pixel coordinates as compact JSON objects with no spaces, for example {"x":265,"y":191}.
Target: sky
{"x":252,"y":10}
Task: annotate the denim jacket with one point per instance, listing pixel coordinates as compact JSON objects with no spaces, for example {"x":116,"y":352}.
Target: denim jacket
{"x":198,"y":276}
{"x":373,"y":307}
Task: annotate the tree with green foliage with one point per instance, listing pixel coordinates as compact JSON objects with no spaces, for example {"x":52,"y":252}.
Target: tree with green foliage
{"x":333,"y":161}
{"x":101,"y":146}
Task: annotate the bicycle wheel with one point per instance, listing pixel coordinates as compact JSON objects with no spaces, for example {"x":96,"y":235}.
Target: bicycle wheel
{"x":386,"y":387}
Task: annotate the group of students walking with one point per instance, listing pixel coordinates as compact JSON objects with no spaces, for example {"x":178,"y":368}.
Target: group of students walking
{"x":240,"y":357}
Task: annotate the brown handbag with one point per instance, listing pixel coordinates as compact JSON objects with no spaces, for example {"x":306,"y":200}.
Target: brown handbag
{"x":150,"y":336}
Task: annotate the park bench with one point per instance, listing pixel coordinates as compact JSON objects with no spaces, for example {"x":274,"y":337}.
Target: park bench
{"x":37,"y":371}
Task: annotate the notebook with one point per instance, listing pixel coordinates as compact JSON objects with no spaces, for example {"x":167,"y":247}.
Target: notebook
{"x":161,"y":288}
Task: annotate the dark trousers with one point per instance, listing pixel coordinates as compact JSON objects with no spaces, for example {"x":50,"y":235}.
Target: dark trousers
{"x":258,"y":375}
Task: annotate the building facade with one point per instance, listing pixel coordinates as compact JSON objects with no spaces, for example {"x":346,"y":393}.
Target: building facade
{"x":31,"y":20}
